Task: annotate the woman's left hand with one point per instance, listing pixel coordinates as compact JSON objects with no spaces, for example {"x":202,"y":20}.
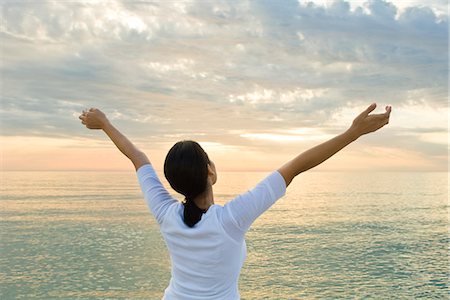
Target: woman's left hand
{"x":366,"y":122}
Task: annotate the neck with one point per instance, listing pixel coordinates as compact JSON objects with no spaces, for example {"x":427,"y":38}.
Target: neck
{"x":206,"y":199}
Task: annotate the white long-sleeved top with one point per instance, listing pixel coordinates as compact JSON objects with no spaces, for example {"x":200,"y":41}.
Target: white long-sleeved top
{"x":207,"y":258}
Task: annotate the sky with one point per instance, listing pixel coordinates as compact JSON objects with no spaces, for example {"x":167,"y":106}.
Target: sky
{"x":254,"y":82}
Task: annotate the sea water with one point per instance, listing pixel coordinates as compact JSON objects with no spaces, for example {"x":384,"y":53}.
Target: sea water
{"x":89,"y":235}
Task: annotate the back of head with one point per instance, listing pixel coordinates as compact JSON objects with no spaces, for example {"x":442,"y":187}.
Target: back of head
{"x":186,"y":170}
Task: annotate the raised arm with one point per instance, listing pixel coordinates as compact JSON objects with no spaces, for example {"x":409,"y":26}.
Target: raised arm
{"x":95,"y":119}
{"x":363,"y":124}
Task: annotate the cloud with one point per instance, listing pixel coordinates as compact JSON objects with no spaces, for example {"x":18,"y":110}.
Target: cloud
{"x":188,"y":69}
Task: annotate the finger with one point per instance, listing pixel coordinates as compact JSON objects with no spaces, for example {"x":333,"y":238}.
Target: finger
{"x":387,"y":114}
{"x":388,"y":110}
{"x":368,"y":110}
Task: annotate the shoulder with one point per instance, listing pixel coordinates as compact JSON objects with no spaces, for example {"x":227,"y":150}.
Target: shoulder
{"x":173,"y":211}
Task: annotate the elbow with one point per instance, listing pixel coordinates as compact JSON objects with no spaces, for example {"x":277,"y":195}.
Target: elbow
{"x":287,"y":176}
{"x":141,"y":156}
{"x":139,"y":159}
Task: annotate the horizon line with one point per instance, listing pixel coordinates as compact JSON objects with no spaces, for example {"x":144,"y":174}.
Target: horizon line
{"x":230,"y":171}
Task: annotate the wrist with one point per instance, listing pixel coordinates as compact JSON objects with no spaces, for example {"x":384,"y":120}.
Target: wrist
{"x":352,"y":134}
{"x":105,"y":124}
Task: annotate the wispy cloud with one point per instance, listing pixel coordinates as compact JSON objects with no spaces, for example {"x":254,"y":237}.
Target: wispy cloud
{"x":208,"y":69}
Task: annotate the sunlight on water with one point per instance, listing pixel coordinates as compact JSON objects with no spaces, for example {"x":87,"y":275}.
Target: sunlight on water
{"x":69,"y":235}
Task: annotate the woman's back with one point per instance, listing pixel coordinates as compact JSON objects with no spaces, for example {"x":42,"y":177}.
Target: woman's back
{"x":206,"y":261}
{"x":207,"y":258}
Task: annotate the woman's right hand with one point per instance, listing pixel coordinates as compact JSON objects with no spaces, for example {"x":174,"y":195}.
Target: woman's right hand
{"x":365,"y":123}
{"x":93,"y":118}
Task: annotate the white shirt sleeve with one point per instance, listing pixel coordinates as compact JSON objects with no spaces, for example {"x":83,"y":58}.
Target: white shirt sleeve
{"x":242,"y":211}
{"x":157,"y":197}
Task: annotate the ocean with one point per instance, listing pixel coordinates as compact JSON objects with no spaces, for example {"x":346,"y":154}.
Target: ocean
{"x":334,"y":235}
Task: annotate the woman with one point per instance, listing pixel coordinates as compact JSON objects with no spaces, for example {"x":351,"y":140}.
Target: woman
{"x":206,"y":241}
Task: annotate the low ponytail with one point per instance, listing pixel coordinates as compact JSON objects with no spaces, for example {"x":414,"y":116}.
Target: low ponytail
{"x":186,"y":170}
{"x":192,"y":214}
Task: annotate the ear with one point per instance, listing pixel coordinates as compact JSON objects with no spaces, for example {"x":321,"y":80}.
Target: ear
{"x":211,"y":170}
{"x":212,"y":175}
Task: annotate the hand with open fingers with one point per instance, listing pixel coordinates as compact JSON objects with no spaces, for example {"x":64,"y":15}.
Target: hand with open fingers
{"x":93,"y":118}
{"x":366,"y":122}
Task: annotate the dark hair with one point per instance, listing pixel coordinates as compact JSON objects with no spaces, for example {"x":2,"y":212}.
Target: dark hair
{"x":186,"y":170}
